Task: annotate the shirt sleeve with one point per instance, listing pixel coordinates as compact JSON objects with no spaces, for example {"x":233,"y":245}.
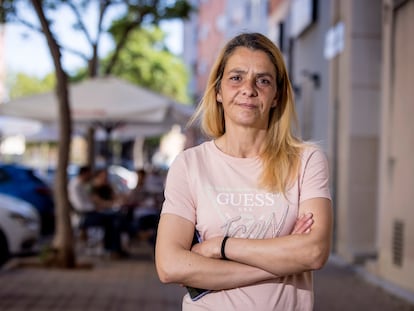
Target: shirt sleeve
{"x":314,"y":181}
{"x":178,"y":193}
{"x":78,"y":197}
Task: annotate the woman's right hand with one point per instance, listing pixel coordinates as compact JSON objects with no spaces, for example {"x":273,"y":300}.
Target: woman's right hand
{"x":303,"y":224}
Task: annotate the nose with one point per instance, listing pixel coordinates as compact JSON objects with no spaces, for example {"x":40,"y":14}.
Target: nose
{"x":249,"y":87}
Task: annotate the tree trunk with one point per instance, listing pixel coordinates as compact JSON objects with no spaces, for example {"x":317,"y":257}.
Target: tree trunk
{"x":94,"y":62}
{"x":63,"y":242}
{"x":91,"y":147}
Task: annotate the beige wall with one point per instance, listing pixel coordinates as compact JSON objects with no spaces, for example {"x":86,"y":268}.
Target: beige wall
{"x":356,"y":91}
{"x":396,"y":197}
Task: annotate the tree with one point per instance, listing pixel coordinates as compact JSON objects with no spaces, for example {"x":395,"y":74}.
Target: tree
{"x":133,"y":14}
{"x":24,"y":85}
{"x":146,"y":61}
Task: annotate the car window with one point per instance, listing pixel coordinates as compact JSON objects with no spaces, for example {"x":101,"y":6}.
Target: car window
{"x":18,"y":174}
{"x":32,"y":175}
{"x":3,"y":175}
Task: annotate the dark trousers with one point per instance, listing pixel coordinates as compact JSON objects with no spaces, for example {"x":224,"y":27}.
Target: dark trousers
{"x":147,"y":222}
{"x":110,"y":222}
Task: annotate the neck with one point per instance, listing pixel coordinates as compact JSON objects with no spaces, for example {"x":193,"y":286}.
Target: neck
{"x":241,"y":146}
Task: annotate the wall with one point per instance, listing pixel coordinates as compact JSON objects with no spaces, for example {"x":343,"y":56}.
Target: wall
{"x":356,"y":94}
{"x":396,"y":221}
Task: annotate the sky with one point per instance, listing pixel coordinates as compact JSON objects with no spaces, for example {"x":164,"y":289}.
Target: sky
{"x":27,"y":51}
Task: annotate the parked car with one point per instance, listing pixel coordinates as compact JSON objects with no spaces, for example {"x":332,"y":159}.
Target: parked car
{"x":21,"y":182}
{"x":19,"y":227}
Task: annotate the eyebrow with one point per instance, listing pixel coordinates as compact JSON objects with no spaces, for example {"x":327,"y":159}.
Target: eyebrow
{"x":260,"y":74}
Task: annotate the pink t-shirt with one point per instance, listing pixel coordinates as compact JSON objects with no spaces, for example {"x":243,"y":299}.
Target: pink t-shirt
{"x":219,"y":194}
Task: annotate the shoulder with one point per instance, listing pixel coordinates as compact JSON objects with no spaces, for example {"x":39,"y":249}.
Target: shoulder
{"x":200,"y":149}
{"x":314,"y":174}
{"x":190,"y":160}
{"x":314,"y":161}
{"x":312,"y":151}
{"x":196,"y":153}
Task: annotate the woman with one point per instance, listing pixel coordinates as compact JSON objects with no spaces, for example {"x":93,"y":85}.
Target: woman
{"x":257,"y":195}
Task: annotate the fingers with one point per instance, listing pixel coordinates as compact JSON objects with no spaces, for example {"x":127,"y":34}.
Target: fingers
{"x":303,"y":224}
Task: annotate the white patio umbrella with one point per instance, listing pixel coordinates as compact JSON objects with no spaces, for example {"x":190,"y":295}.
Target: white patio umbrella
{"x":10,"y":126}
{"x":109,"y":103}
{"x":121,"y":110}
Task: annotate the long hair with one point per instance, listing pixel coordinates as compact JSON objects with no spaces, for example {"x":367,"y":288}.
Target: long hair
{"x":281,"y":156}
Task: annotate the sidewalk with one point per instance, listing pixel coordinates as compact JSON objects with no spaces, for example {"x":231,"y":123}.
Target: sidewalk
{"x":127,"y":284}
{"x":132,"y":284}
{"x":338,"y":287}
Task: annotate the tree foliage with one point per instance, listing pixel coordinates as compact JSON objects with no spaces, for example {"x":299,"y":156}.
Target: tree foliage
{"x":138,"y":55}
{"x":115,"y":17}
{"x":26,"y":85}
{"x":146,"y":61}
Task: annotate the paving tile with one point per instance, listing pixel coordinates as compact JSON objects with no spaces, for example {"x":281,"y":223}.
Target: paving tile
{"x":132,"y":284}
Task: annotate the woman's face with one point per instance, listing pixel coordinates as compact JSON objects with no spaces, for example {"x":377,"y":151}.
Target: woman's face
{"x":248,"y":89}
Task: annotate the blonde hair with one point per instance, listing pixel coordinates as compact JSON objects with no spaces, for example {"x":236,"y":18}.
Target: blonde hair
{"x":281,"y":156}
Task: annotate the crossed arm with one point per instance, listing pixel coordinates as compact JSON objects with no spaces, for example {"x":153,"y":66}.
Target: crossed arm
{"x":251,"y":261}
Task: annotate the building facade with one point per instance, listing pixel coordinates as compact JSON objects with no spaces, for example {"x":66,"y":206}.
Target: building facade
{"x":395,"y":230}
{"x":214,"y":22}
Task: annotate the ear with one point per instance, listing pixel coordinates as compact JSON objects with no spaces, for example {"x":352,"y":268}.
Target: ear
{"x":219,"y":98}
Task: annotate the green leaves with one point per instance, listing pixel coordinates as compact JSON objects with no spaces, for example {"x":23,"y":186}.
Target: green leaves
{"x":25,"y":85}
{"x":146,"y":61}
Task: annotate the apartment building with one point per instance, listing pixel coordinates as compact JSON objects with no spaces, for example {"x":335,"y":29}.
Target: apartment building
{"x":395,"y":223}
{"x":214,"y":22}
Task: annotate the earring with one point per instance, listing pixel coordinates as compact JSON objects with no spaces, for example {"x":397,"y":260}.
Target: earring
{"x":218,"y":98}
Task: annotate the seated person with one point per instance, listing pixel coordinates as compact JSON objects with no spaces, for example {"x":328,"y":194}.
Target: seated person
{"x":93,"y":212}
{"x":137,"y":195}
{"x":143,"y":208}
{"x":103,"y":194}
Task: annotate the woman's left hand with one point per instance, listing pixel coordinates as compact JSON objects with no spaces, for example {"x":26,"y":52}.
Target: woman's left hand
{"x":210,"y":248}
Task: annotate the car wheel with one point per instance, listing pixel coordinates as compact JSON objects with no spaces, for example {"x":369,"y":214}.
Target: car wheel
{"x":4,"y":249}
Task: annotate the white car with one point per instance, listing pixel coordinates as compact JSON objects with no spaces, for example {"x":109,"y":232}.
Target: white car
{"x":19,"y":227}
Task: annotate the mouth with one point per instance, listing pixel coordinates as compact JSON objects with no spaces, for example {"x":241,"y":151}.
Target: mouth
{"x":247,"y":105}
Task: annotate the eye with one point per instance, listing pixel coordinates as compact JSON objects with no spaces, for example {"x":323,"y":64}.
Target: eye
{"x":235,"y":78}
{"x":263,"y":81}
